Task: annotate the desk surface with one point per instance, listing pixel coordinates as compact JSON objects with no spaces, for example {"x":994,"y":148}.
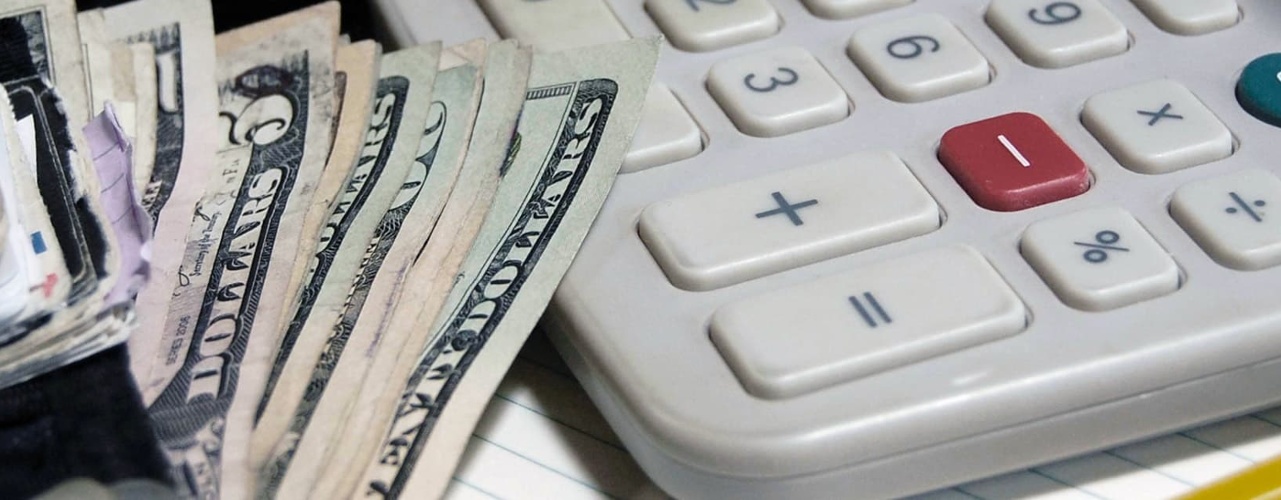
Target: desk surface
{"x":541,"y":437}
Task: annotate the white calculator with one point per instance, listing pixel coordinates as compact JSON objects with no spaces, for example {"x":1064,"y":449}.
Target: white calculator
{"x":871,"y":248}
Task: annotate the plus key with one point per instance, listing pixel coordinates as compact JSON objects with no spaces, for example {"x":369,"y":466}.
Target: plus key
{"x":1012,"y":162}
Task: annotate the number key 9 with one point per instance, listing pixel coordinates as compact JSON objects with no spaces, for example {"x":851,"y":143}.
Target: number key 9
{"x":918,"y":58}
{"x":1057,"y":34}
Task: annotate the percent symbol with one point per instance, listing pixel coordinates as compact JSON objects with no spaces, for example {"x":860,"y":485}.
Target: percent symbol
{"x":1105,"y":241}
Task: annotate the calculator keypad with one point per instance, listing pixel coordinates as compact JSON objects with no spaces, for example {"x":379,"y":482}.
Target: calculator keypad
{"x":666,"y":133}
{"x":1099,"y":259}
{"x":1233,"y":217}
{"x":1057,"y":34}
{"x":702,"y":25}
{"x":553,"y":26}
{"x":1012,"y":162}
{"x":1156,"y":127}
{"x":864,"y":321}
{"x":777,"y":92}
{"x":843,"y":9}
{"x":746,"y":230}
{"x":1191,"y":17}
{"x":918,"y":58}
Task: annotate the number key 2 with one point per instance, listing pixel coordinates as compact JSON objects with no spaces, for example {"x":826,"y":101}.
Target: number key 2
{"x":777,"y":92}
{"x":702,"y":25}
{"x":1012,"y":162}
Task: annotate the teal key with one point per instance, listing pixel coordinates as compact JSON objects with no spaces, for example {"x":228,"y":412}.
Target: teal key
{"x":1259,"y":89}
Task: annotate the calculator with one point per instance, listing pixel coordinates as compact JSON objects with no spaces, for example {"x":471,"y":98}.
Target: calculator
{"x":871,"y":248}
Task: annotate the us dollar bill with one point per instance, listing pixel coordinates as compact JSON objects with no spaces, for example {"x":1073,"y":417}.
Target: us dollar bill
{"x":400,"y":111}
{"x":575,"y":126}
{"x":400,"y":281}
{"x":145,"y":112}
{"x":275,"y":82}
{"x":124,"y":75}
{"x":53,"y":42}
{"x":179,"y":110}
{"x":355,"y":76}
{"x":439,"y":147}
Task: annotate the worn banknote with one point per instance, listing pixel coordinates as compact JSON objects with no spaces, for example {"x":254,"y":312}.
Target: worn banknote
{"x":578,"y":117}
{"x":53,"y":42}
{"x":435,"y":153}
{"x":355,"y":76}
{"x":275,"y":83}
{"x":182,"y":105}
{"x":401,"y":107}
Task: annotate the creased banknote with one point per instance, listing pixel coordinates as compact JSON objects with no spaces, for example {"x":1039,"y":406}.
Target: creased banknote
{"x":401,"y":106}
{"x":53,"y":42}
{"x":355,"y":75}
{"x":438,"y":152}
{"x":577,"y":121}
{"x":182,"y":105}
{"x":275,"y":83}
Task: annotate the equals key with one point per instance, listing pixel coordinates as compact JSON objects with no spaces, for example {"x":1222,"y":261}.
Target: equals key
{"x":867,"y":310}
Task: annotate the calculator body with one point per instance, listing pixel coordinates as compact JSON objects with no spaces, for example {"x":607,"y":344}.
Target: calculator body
{"x":1069,"y":379}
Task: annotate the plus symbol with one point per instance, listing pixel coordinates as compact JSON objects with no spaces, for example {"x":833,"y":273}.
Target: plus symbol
{"x":786,"y":208}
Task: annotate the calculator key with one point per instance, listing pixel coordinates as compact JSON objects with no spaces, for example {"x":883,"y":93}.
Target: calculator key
{"x":861,"y":322}
{"x":1233,"y":217}
{"x":1259,"y":88}
{"x":1099,"y":259}
{"x":777,"y":92}
{"x":1191,"y":17}
{"x":1156,"y":127}
{"x":555,"y":25}
{"x":841,"y":9}
{"x":752,"y":228}
{"x":665,"y":134}
{"x":1056,"y":34}
{"x":702,"y":25}
{"x":918,"y":58}
{"x":1012,"y":162}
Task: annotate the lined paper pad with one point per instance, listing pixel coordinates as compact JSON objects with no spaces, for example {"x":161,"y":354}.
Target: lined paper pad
{"x":541,"y":437}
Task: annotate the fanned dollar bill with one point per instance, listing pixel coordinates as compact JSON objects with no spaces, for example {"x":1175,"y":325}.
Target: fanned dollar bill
{"x":435,"y":153}
{"x":402,"y":103}
{"x":183,"y":108}
{"x":575,"y":126}
{"x":355,"y":76}
{"x":275,"y":83}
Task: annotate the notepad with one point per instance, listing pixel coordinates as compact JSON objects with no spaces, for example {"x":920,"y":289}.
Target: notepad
{"x":541,"y":437}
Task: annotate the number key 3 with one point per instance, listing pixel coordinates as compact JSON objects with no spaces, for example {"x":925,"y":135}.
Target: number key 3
{"x":918,"y":58}
{"x":1057,"y":34}
{"x":777,"y":92}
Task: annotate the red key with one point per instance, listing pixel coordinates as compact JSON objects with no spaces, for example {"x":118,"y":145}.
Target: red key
{"x":1012,"y":162}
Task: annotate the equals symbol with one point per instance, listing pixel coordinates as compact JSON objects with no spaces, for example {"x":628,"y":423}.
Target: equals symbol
{"x":867,"y":315}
